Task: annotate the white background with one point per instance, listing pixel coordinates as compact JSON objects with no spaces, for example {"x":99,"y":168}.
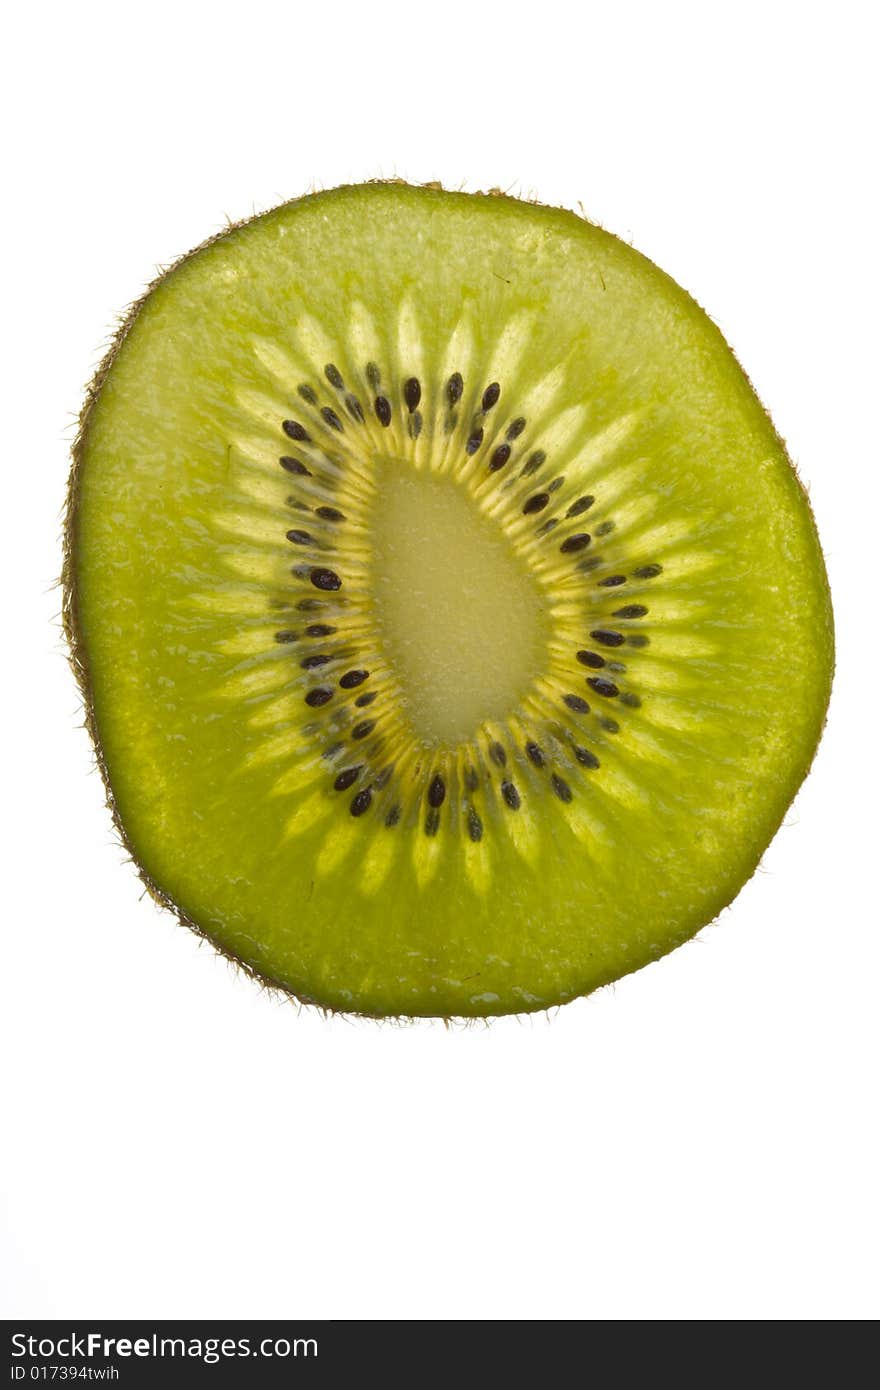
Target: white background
{"x":698,"y":1142}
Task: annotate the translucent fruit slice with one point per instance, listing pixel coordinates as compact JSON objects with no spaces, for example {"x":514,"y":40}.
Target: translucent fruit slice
{"x":453,"y":625}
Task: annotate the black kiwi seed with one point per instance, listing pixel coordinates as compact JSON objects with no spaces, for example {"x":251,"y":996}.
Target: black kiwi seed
{"x":393,"y":817}
{"x":637,"y":639}
{"x":294,"y":430}
{"x":585,"y":757}
{"x":412,"y":393}
{"x":611,"y":726}
{"x":366,"y":699}
{"x":605,"y":529}
{"x":499,"y":457}
{"x":535,"y":754}
{"x":471,"y":780}
{"x":607,"y":637}
{"x":548,"y":526}
{"x":415,"y":424}
{"x":590,"y":659}
{"x":647,"y":571}
{"x":352,"y":679}
{"x":299,"y":537}
{"x":534,"y":462}
{"x":307,"y":393}
{"x":603,"y":686}
{"x":362,"y":730}
{"x":572,"y":544}
{"x":383,"y":411}
{"x":454,"y":388}
{"x":536,"y":503}
{"x":475,"y":825}
{"x":286,"y":636}
{"x":334,"y":376}
{"x":347,"y":778}
{"x":583,"y":504}
{"x":361,"y":802}
{"x":332,"y":419}
{"x":320,"y":630}
{"x":474,"y":441}
{"x":491,"y":395}
{"x":311,"y":663}
{"x":516,"y":427}
{"x":555,"y":485}
{"x":294,"y":466}
{"x":353,"y":406}
{"x":497,"y":754}
{"x":561,"y":787}
{"x":309,"y":605}
{"x":631,"y":699}
{"x":612,"y":581}
{"x":436,"y":791}
{"x":330,"y":513}
{"x":325,"y":579}
{"x":577,"y":703}
{"x":511,"y":795}
{"x":631,"y":610}
{"x":318,"y":697}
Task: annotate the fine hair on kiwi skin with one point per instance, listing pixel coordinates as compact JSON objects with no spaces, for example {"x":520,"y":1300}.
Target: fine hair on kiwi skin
{"x":80,"y":656}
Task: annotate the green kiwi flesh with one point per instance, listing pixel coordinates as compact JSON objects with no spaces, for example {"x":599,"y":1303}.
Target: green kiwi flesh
{"x":453,"y":627}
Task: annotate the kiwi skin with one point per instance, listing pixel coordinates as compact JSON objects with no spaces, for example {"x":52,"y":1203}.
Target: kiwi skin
{"x":79,"y":661}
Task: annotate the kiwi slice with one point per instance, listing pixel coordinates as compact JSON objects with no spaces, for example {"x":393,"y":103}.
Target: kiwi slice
{"x":453,"y":626}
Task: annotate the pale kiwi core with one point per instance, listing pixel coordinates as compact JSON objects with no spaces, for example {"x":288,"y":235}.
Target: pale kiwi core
{"x":463,"y":621}
{"x":452,"y":625}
